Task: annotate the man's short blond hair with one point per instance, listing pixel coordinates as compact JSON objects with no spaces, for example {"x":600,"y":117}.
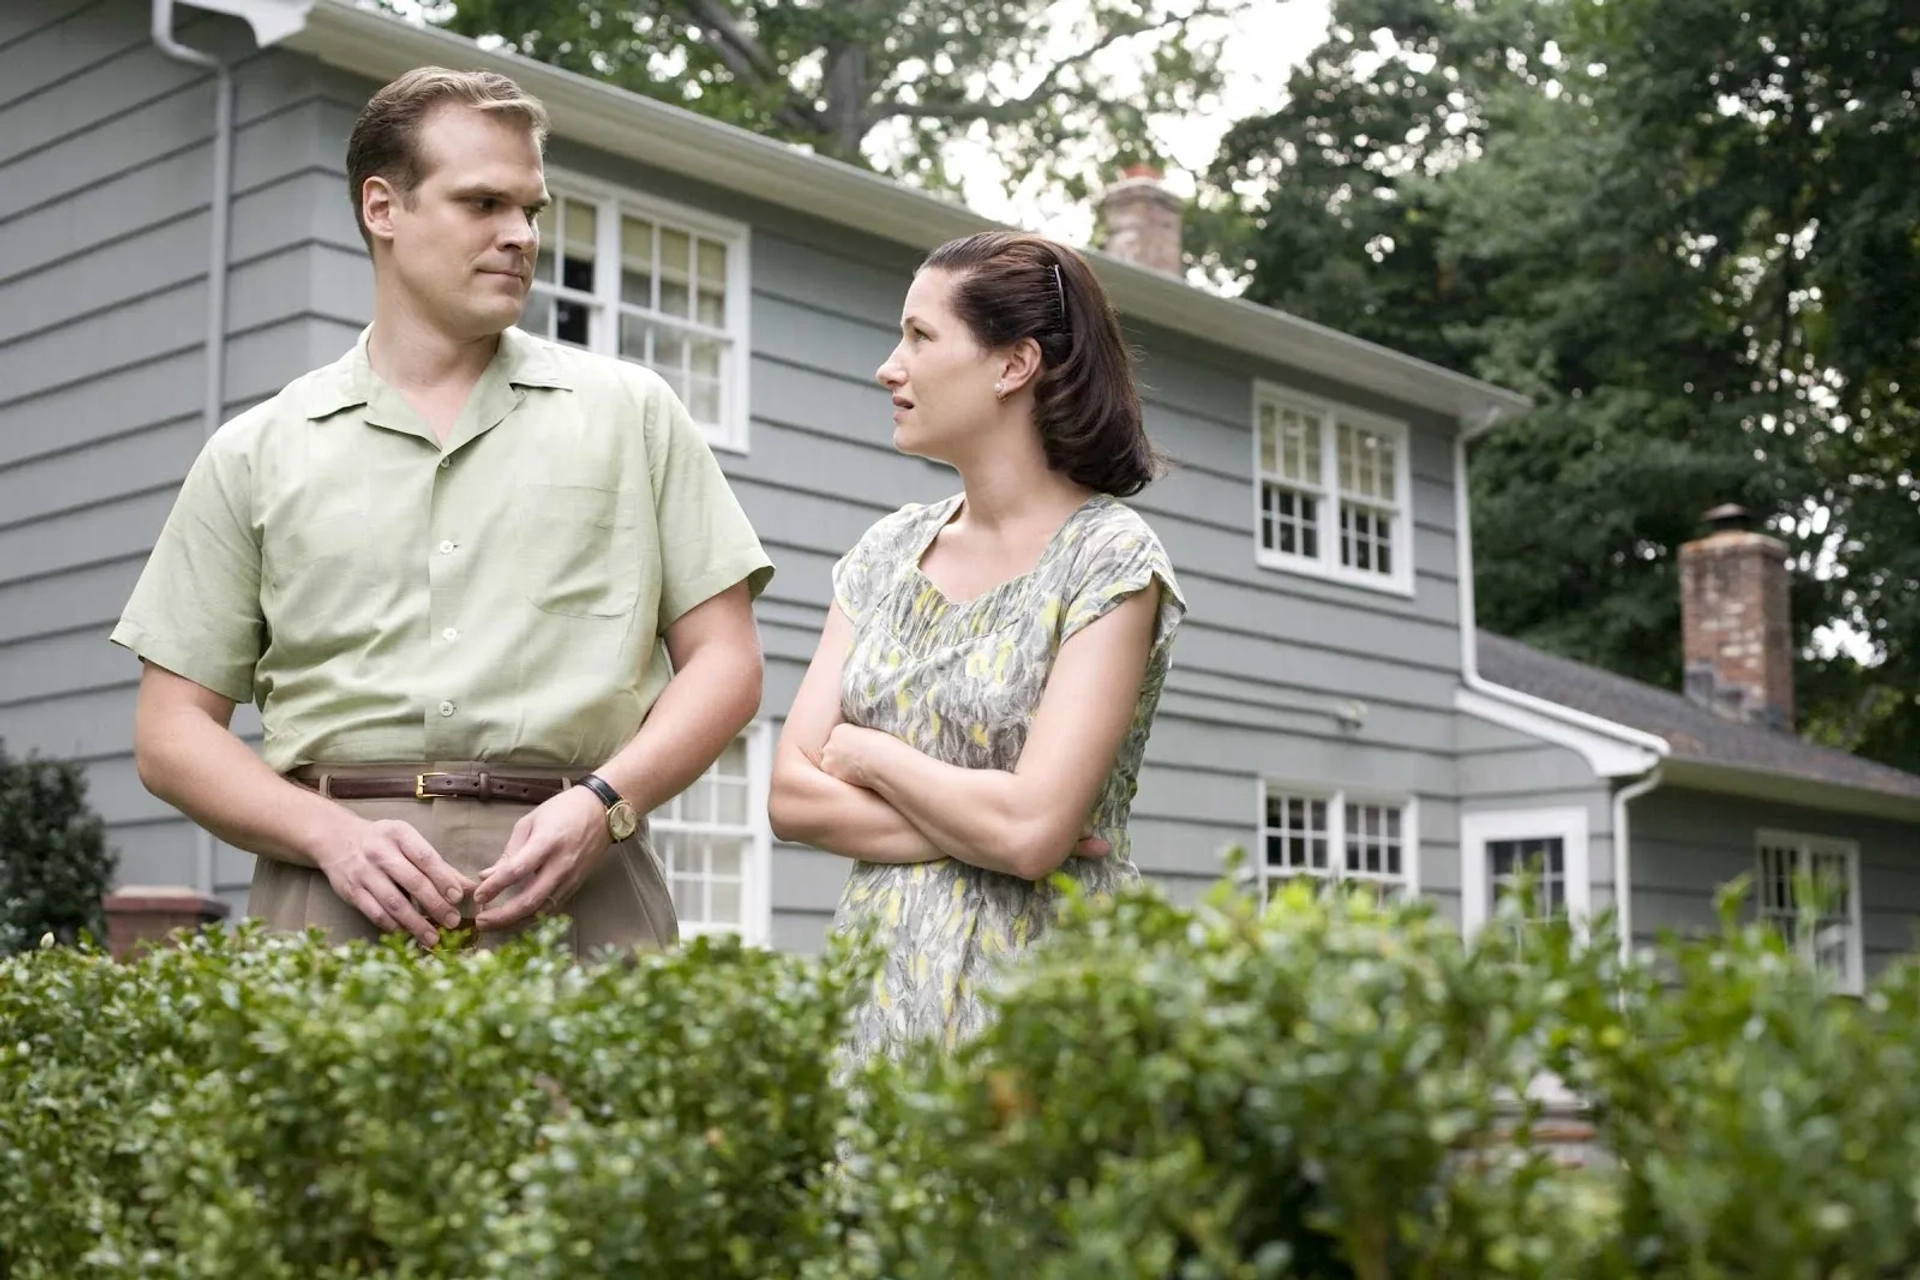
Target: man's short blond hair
{"x":385,"y":139}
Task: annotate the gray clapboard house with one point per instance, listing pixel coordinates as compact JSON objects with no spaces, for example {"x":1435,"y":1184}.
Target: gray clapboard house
{"x":1331,"y":707}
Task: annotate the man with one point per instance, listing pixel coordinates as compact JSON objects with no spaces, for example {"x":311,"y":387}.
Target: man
{"x":451,"y":568}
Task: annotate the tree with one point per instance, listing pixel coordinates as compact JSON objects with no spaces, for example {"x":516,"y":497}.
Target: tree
{"x":1676,"y":226}
{"x":891,"y":85}
{"x":54,"y":862}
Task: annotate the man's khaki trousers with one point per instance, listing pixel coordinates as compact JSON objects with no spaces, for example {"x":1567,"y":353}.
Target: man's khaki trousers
{"x":623,"y":906}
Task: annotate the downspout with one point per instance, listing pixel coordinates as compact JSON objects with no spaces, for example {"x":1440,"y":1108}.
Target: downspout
{"x":1623,"y":859}
{"x":1471,"y":677}
{"x":1469,"y":631}
{"x":213,"y":407}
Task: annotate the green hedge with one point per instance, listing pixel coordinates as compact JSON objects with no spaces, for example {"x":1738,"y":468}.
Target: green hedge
{"x":54,"y":862}
{"x":1202,"y":1092}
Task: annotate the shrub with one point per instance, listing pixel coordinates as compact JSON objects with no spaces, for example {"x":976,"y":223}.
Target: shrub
{"x":1326,"y":1089}
{"x":247,"y":1106}
{"x":54,"y":862}
{"x":1766,"y":1125}
{"x":1211,"y":1093}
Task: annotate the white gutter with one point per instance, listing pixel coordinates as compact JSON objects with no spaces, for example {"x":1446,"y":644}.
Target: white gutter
{"x":213,"y":394}
{"x":593,"y":113}
{"x":1649,"y":748}
{"x":1623,"y":859}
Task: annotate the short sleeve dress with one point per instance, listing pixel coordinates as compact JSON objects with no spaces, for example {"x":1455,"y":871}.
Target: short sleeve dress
{"x":961,"y":680}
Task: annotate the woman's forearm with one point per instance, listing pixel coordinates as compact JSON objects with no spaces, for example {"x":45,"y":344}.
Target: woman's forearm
{"x":989,"y":818}
{"x":810,"y":807}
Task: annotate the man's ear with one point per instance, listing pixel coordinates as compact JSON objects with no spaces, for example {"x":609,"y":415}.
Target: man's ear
{"x":378,"y":200}
{"x":1021,"y":365}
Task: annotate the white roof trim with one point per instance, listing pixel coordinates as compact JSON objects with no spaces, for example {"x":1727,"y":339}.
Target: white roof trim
{"x":271,"y":20}
{"x":1612,"y":751}
{"x":1791,"y":789}
{"x":596,"y":114}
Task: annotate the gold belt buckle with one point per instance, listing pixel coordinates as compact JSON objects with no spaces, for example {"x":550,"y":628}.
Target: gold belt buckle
{"x":420,"y":784}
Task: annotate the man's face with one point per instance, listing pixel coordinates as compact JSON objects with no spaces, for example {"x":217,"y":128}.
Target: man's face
{"x":462,"y":248}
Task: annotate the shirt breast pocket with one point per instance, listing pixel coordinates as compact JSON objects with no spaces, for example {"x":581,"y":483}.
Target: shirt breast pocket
{"x":578,"y":550}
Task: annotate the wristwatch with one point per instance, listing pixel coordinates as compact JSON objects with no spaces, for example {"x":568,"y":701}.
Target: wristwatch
{"x":622,"y":821}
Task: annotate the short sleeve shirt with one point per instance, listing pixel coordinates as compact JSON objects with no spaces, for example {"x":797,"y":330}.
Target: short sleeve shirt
{"x":383,"y":597}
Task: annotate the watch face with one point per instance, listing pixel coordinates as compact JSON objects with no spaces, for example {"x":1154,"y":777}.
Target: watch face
{"x":622,"y":821}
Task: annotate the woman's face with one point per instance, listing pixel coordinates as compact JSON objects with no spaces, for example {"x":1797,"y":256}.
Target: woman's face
{"x":940,"y":377}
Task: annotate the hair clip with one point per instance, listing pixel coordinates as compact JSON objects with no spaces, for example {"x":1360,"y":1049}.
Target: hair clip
{"x":1061,"y":289}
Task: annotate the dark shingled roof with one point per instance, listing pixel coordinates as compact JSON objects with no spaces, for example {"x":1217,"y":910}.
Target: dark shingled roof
{"x":1693,"y":732}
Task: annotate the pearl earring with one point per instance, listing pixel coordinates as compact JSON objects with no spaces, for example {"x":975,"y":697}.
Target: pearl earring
{"x":1000,"y":389}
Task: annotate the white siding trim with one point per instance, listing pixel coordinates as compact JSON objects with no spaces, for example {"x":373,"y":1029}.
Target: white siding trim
{"x":1606,"y":754}
{"x":1477,"y":830}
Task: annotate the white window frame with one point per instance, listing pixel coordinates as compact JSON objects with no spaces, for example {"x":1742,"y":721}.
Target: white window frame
{"x":603,"y":332}
{"x":1853,"y":980}
{"x":1478,"y":830}
{"x":756,"y":863}
{"x":1337,"y":799}
{"x":1326,"y":562}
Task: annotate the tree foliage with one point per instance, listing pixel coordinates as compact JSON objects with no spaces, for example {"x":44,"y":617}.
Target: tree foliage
{"x":891,"y":85}
{"x":55,"y":865}
{"x":1682,"y":228}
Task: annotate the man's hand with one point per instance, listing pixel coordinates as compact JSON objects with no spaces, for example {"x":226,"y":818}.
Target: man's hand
{"x":549,"y":855}
{"x":394,"y":878}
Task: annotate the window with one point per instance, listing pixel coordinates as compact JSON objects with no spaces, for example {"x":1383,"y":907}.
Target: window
{"x":1332,"y":836}
{"x":1498,"y":849}
{"x":1830,"y":935}
{"x":648,"y":282}
{"x":1333,"y":490}
{"x":716,"y":847}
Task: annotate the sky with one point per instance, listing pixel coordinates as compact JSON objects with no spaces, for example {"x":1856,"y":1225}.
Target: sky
{"x":1271,"y":39}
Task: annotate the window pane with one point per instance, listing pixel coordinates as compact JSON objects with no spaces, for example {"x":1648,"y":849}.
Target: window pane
{"x":726,"y":903}
{"x":544,"y":269}
{"x":676,"y":249}
{"x":1366,"y":464}
{"x":713,"y":265}
{"x":703,"y":399}
{"x":537,"y":317}
{"x":1289,"y":522}
{"x":636,"y":337}
{"x":1299,"y":446}
{"x":1269,"y":429}
{"x":572,"y":322}
{"x":636,"y":262}
{"x":1544,"y":859}
{"x":579,"y":223}
{"x":1366,"y":540}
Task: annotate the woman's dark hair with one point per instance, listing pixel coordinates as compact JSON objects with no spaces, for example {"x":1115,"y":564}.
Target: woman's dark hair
{"x":1008,"y":285}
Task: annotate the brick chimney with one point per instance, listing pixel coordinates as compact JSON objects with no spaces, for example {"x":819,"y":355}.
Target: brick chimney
{"x":1143,"y":221}
{"x":1735,"y":627}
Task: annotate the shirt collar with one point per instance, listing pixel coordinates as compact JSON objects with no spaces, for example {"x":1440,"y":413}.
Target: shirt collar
{"x":349,"y":382}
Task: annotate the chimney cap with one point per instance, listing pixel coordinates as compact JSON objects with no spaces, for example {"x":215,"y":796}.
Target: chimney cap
{"x":1727,"y":517}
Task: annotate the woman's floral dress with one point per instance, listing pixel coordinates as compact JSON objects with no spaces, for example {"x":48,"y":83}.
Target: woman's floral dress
{"x":961,"y":680}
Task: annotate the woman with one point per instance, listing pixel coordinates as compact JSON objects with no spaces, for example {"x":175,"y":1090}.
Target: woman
{"x":974,"y":716}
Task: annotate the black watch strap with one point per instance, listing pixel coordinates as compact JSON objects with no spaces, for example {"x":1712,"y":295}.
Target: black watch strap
{"x":598,"y":785}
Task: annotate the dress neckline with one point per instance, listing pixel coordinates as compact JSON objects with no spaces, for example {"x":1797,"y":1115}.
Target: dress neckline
{"x":950,"y":509}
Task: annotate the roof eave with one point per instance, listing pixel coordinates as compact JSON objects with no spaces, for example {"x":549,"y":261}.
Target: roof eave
{"x":609,"y":119}
{"x":1790,"y":788}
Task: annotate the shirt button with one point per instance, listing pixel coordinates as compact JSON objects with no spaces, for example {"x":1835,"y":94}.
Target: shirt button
{"x":446,"y":548}
{"x":445,"y":463}
{"x":450,"y":634}
{"x":446,"y":708}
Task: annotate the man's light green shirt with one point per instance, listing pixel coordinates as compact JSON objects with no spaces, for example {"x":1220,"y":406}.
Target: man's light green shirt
{"x":384,"y":598}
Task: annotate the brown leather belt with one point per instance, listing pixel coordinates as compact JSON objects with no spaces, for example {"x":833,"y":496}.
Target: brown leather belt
{"x":481,"y":785}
